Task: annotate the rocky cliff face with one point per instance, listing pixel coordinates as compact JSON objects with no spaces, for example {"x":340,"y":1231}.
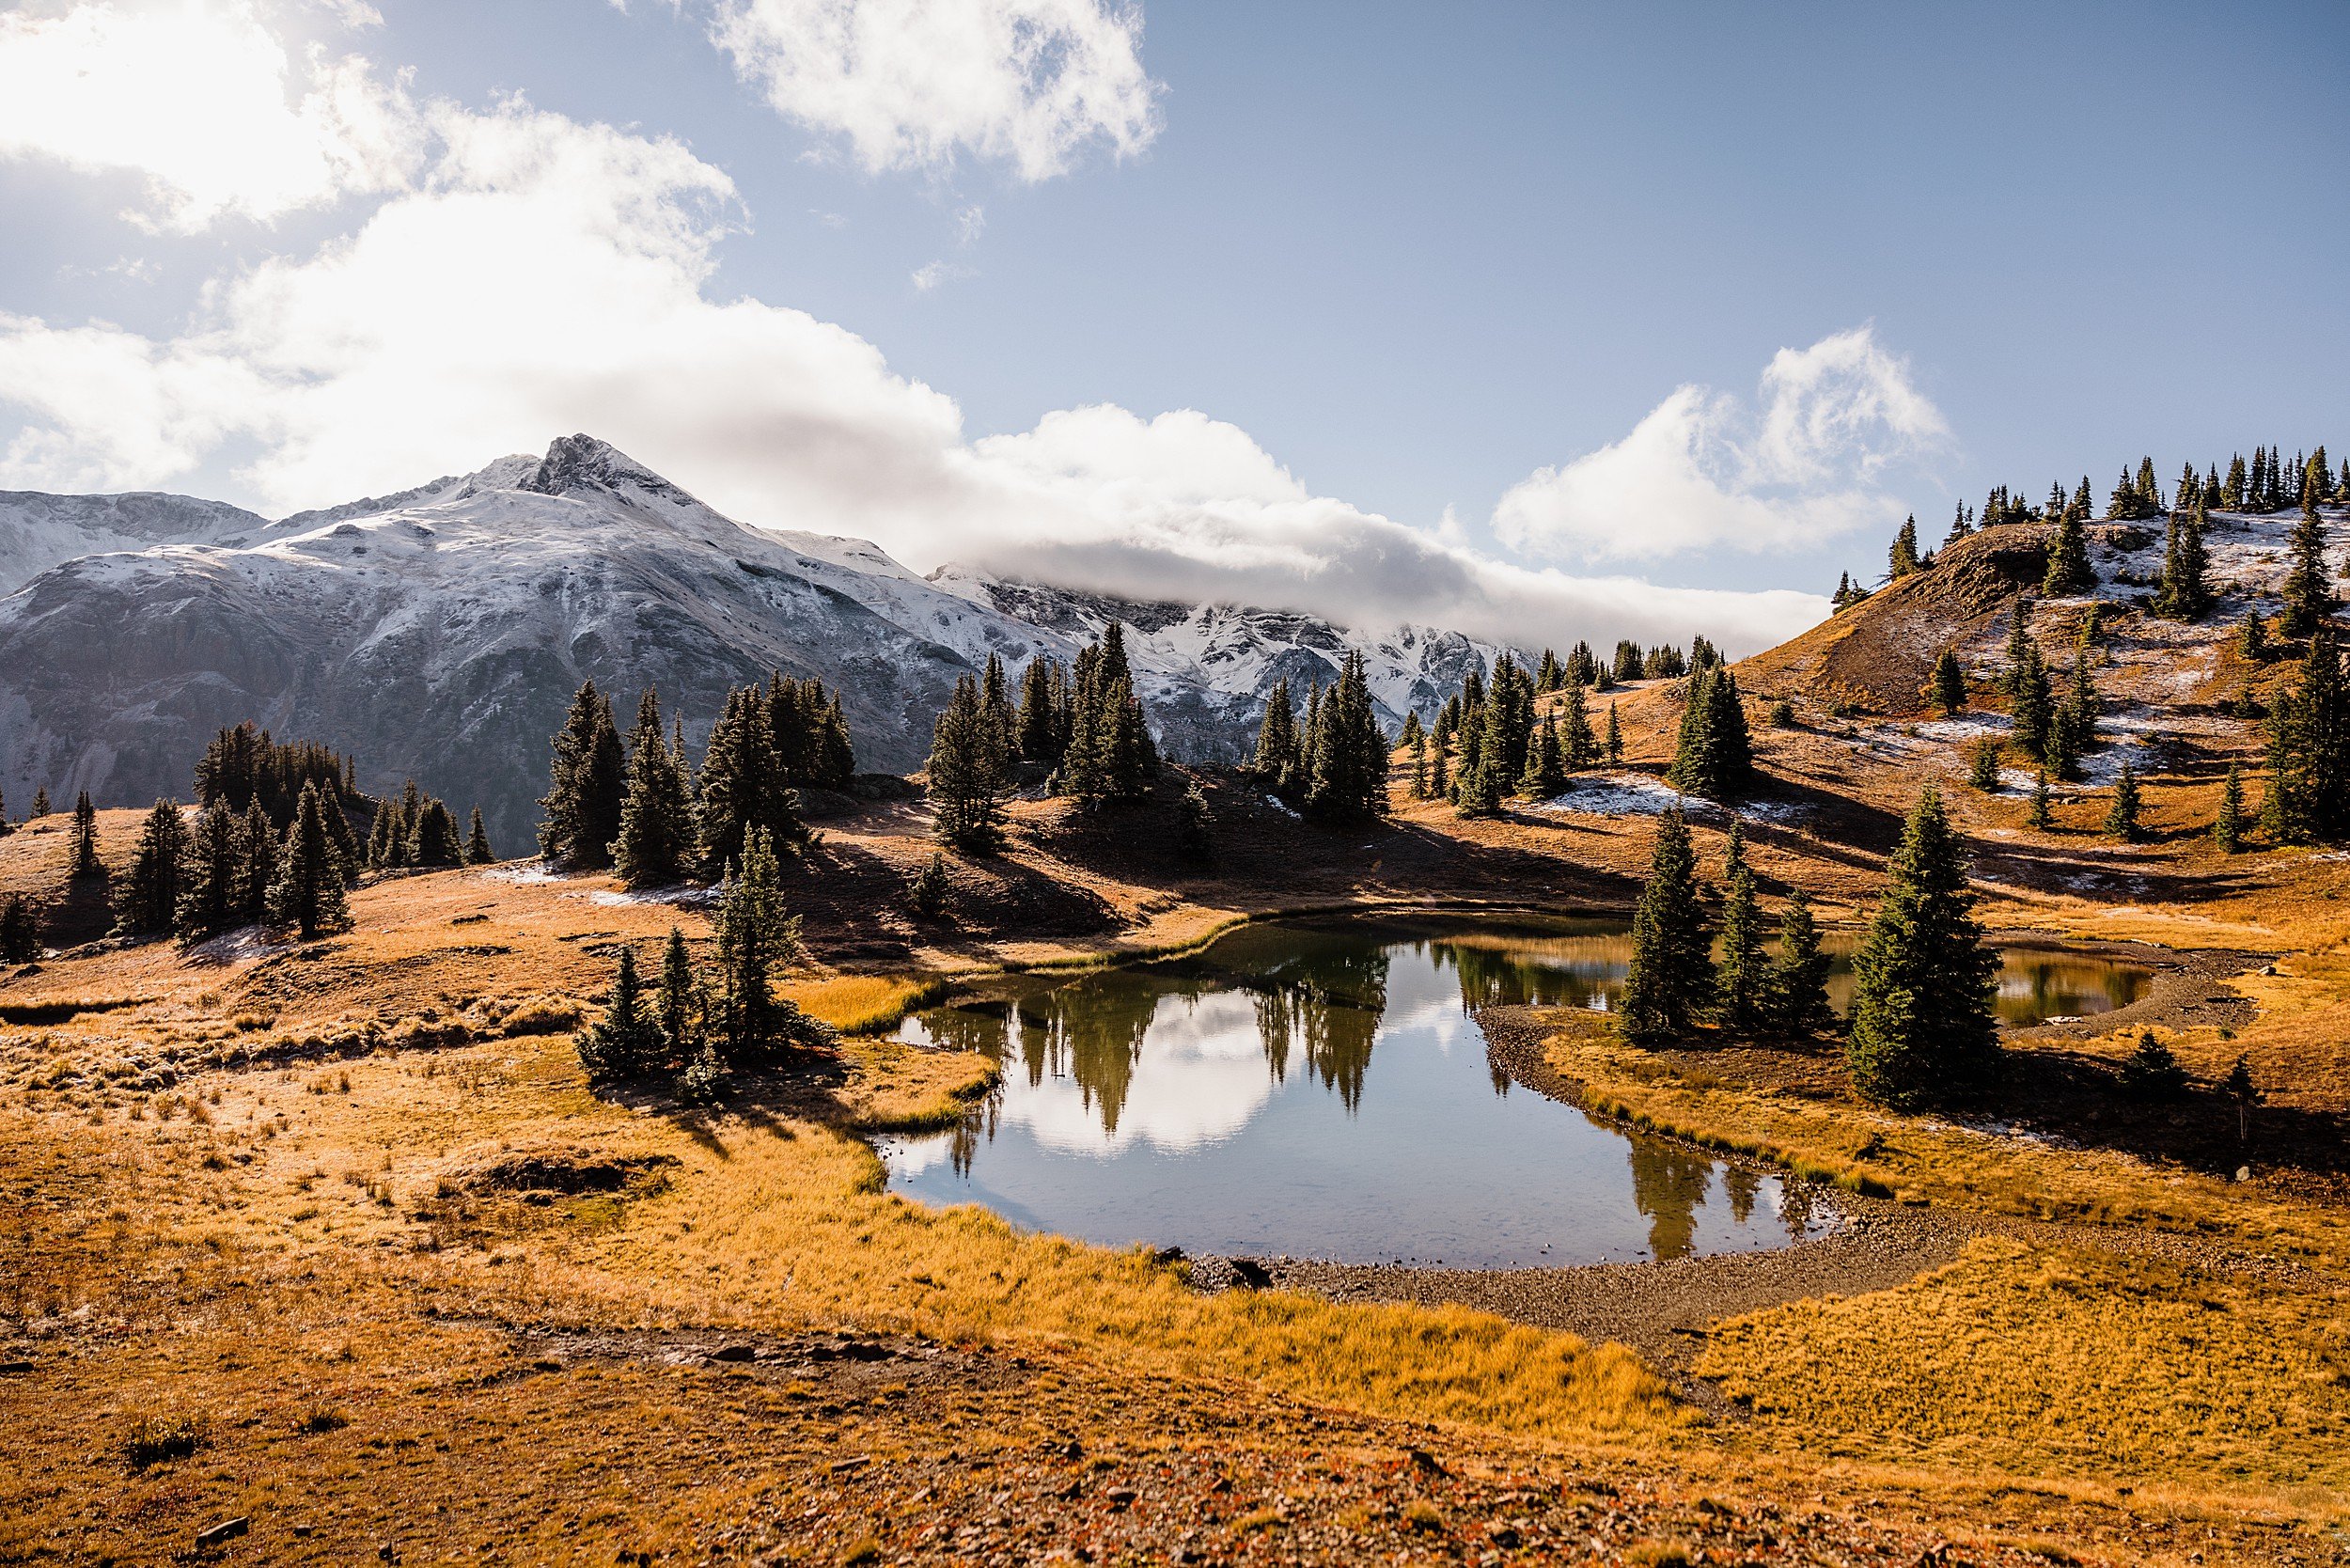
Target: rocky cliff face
{"x":439,"y":632}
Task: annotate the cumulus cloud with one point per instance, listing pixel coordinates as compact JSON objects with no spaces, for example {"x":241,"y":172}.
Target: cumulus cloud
{"x":1807,"y":462}
{"x":917,"y":83}
{"x":195,"y":99}
{"x":530,"y":275}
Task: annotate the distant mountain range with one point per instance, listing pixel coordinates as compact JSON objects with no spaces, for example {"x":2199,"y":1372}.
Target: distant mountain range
{"x":439,"y":632}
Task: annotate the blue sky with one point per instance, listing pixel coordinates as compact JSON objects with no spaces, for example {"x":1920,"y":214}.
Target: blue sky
{"x":1471,"y":305}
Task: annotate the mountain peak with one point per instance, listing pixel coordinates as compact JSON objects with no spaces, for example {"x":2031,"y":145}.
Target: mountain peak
{"x":582,"y":463}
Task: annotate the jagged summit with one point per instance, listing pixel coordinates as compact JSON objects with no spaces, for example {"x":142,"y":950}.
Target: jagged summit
{"x":580,"y":464}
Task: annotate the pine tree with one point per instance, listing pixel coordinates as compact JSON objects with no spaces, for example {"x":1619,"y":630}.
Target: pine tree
{"x":966,"y":774}
{"x":1439,"y":786}
{"x":1903,"y":555}
{"x":432,"y":842}
{"x":19,"y":932}
{"x":1960,"y":527}
{"x":931,"y":887}
{"x":2069,"y":572}
{"x":1044,"y":704}
{"x":1545,"y":768}
{"x":1549,"y":676}
{"x":2073,"y":728}
{"x":1277,"y":756}
{"x":1195,"y":827}
{"x":2246,"y":1095}
{"x":2309,"y":748}
{"x":1713,"y":756}
{"x":2233,"y":488}
{"x":680,"y":1005}
{"x":1923,"y":1027}
{"x":2031,"y":705}
{"x":2253,"y":640}
{"x":2227,"y":828}
{"x":2309,"y":593}
{"x":258,"y":846}
{"x":1615,"y":738}
{"x":2121,"y":816}
{"x":755,"y":937}
{"x":308,"y":893}
{"x":1419,"y":743}
{"x":82,"y":855}
{"x":41,"y":802}
{"x":1671,"y":979}
{"x":2152,"y":1071}
{"x":147,"y":899}
{"x":1982,"y":763}
{"x":1347,"y":770}
{"x":1950,"y":682}
{"x":656,"y":839}
{"x":477,"y":850}
{"x":1797,"y":988}
{"x":2149,"y":493}
{"x":626,"y":1041}
{"x":2186,"y":591}
{"x":2041,"y":817}
{"x":210,"y":897}
{"x":587,"y":780}
{"x":1579,"y":748}
{"x":1742,"y":982}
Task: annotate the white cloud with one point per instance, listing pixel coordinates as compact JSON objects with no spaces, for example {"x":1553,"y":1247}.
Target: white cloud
{"x":917,"y":83}
{"x":970,"y":224}
{"x":534,"y":275}
{"x":195,"y":97}
{"x":1703,"y":471}
{"x":931,"y":273}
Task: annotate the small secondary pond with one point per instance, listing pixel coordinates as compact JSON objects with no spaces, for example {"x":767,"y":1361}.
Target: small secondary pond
{"x":1322,"y":1091}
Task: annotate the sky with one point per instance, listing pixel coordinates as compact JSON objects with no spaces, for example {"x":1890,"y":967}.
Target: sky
{"x":1538,"y":321}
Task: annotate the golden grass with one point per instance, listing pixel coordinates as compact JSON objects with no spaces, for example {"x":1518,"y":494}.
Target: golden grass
{"x":862,"y":1003}
{"x":2056,"y":1361}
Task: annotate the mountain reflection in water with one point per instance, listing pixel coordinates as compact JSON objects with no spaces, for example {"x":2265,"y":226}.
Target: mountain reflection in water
{"x":1229,"y":1103}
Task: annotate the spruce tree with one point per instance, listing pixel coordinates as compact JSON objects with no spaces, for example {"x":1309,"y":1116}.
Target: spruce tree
{"x":258,"y":846}
{"x":2252,"y":638}
{"x":655,"y":842}
{"x":2073,"y":728}
{"x":754,"y":937}
{"x":1418,"y":743}
{"x":2309,"y":750}
{"x":680,"y":1005}
{"x":210,"y":897}
{"x":308,"y":893}
{"x":1903,"y":555}
{"x":1276,"y":757}
{"x":2186,"y":591}
{"x":2041,"y":817}
{"x":930,"y":887}
{"x":19,"y":932}
{"x":1713,"y":756}
{"x":2151,"y":1071}
{"x":432,"y":841}
{"x":1579,"y":748}
{"x":1982,"y":763}
{"x":2069,"y":572}
{"x":1195,"y":827}
{"x":477,"y":850}
{"x":2308,"y":592}
{"x":1797,"y":990}
{"x":1044,"y":704}
{"x":2245,"y":1095}
{"x":2227,"y":828}
{"x":2121,"y":816}
{"x":1923,"y":1027}
{"x":588,"y":777}
{"x":1950,"y":682}
{"x":966,"y":774}
{"x":2032,"y":704}
{"x":81,"y":859}
{"x":1545,"y":768}
{"x":1615,"y":738}
{"x":1439,"y":786}
{"x":147,"y":901}
{"x":626,"y":1041}
{"x":1741,"y":984}
{"x":1347,"y":772}
{"x":1669,"y":982}
{"x":41,"y":802}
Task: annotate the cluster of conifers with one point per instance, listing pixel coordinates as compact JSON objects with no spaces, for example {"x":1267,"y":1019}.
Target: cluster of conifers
{"x":645,"y":812}
{"x":271,"y":843}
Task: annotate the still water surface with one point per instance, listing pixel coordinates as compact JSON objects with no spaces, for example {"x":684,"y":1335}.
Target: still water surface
{"x":1322,"y":1091}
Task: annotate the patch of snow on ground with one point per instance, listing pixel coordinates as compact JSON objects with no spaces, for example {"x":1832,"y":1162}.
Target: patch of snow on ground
{"x":233,"y":946}
{"x":680,"y":894}
{"x":1281,"y":806}
{"x":536,"y":872}
{"x":1640,"y":794}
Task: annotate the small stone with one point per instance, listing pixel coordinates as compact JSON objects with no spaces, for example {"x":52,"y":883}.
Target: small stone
{"x":227,"y":1529}
{"x":734,"y":1353}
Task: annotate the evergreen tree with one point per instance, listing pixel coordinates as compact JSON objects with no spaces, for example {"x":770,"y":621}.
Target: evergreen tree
{"x":2186,"y":591}
{"x":1549,"y":677}
{"x":1347,"y":772}
{"x":2069,"y":572}
{"x":755,"y":937}
{"x":2227,"y":828}
{"x":2253,"y":640}
{"x":931,"y":887}
{"x":2152,"y":1071}
{"x":308,"y":893}
{"x":656,"y":839}
{"x":1713,"y":756}
{"x":2149,"y":493}
{"x":1545,"y":768}
{"x":626,"y":1041}
{"x":2309,"y":748}
{"x":2309,"y":593}
{"x":433,"y":840}
{"x":1439,"y":786}
{"x":1044,"y":712}
{"x":2121,"y":816}
{"x":209,"y":896}
{"x":2233,"y":488}
{"x":82,"y":855}
{"x":40,"y":804}
{"x":1579,"y":748}
{"x":587,"y":780}
{"x":1419,"y":743}
{"x":966,"y":774}
{"x":1615,"y":738}
{"x":1630,"y":661}
{"x":2040,"y":818}
{"x":1798,"y":988}
{"x":1903,"y":555}
{"x":19,"y":932}
{"x":2246,"y":1095}
{"x":477,"y":850}
{"x":1741,"y":984}
{"x":1583,"y":668}
{"x":1960,"y":527}
{"x":1412,"y":730}
{"x":1671,"y":979}
{"x":1923,"y":1027}
{"x":147,"y":899}
{"x":742,"y":785}
{"x":258,"y":847}
{"x":1195,"y":827}
{"x":1277,"y":756}
{"x":680,"y":1005}
{"x":2031,"y":705}
{"x":1950,"y":682}
{"x":1982,"y":763}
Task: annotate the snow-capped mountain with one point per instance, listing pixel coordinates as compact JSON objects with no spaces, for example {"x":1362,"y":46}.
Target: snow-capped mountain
{"x":440,"y":632}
